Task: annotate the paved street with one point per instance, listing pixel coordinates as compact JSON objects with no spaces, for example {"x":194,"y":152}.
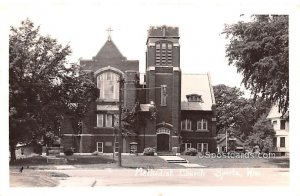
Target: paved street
{"x":175,"y":177}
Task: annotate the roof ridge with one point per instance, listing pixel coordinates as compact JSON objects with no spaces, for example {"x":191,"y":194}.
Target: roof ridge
{"x":109,"y":50}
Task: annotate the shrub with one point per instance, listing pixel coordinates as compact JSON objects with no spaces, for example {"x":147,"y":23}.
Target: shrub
{"x":149,"y":151}
{"x":191,"y":151}
{"x":69,"y":151}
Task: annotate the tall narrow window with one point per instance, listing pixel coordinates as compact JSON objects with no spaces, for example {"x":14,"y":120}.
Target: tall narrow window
{"x":204,"y":124}
{"x":157,"y":54}
{"x":116,"y":147}
{"x":169,"y":53}
{"x":163,"y":95}
{"x":282,"y":142}
{"x":282,"y":124}
{"x":100,"y":120}
{"x":109,"y":120}
{"x":100,"y":147}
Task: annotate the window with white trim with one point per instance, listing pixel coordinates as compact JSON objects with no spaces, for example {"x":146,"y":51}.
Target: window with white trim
{"x":109,"y":120}
{"x":100,"y":147}
{"x":202,"y":147}
{"x":202,"y":124}
{"x":108,"y":83}
{"x":187,"y":145}
{"x":282,"y":142}
{"x":282,"y":124}
{"x":105,"y":120}
{"x":116,"y":147}
{"x":100,"y":121}
{"x":186,"y":124}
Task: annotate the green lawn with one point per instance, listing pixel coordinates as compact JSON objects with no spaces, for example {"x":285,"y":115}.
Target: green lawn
{"x":100,"y":162}
{"x":277,"y":162}
{"x":154,"y":162}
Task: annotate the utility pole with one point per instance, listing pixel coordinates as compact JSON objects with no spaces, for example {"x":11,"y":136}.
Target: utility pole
{"x":121,"y":90}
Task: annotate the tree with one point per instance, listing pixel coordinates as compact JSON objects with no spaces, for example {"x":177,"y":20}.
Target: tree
{"x":229,"y":102}
{"x":260,"y":51}
{"x":262,"y":135}
{"x":234,"y":112}
{"x":43,"y":86}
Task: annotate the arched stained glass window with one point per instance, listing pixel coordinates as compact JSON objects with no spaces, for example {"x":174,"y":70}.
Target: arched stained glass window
{"x":108,"y":84}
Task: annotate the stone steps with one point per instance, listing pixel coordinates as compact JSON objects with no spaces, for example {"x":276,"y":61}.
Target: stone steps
{"x":173,"y":159}
{"x":56,"y":160}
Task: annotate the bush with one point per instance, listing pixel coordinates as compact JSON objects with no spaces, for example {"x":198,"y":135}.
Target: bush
{"x":149,"y":151}
{"x":191,"y":151}
{"x":69,"y":151}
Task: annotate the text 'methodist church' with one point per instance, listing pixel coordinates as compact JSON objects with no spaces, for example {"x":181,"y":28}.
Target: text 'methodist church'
{"x":184,"y":103}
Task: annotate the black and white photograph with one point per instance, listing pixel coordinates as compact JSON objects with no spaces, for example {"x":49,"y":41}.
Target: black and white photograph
{"x":149,"y":94}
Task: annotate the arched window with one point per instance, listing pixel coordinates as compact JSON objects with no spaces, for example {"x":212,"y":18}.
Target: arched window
{"x":202,"y":124}
{"x":186,"y":124}
{"x":108,"y":84}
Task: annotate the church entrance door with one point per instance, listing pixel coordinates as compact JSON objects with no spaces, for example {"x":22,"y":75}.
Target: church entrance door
{"x":162,"y":142}
{"x":163,"y":139}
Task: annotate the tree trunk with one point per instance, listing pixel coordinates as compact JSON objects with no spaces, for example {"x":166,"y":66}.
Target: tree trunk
{"x":12,"y":153}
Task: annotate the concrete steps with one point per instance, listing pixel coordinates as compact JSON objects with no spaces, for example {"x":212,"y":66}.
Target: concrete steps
{"x":56,"y":160}
{"x":177,"y":161}
{"x":173,"y":159}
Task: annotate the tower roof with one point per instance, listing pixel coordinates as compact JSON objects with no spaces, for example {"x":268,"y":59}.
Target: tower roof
{"x":109,"y":50}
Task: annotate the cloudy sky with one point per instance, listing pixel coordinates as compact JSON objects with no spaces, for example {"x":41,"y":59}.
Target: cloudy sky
{"x":83,"y":26}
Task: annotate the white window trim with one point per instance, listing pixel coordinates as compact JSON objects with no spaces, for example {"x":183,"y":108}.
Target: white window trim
{"x":98,"y":120}
{"x":186,"y":145}
{"x":116,"y":147}
{"x":101,"y":144}
{"x":186,"y":125}
{"x":106,"y":120}
{"x":202,"y":125}
{"x":201,"y":149}
{"x":280,"y":124}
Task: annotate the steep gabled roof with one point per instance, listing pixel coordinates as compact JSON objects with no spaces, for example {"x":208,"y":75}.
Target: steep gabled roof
{"x":197,"y":84}
{"x":109,"y":50}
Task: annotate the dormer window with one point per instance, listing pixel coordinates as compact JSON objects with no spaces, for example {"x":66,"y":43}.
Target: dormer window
{"x":194,"y":98}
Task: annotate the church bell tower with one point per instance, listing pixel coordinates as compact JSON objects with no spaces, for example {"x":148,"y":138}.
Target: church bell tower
{"x":163,"y":78}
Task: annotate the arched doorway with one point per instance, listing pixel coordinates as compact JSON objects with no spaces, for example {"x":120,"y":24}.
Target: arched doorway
{"x":163,"y":139}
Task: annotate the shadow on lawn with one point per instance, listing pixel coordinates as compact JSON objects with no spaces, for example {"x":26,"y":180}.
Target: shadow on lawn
{"x":71,"y":160}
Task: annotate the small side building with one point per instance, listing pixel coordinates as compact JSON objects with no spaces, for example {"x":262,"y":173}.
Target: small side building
{"x":281,"y":127}
{"x":198,"y":113}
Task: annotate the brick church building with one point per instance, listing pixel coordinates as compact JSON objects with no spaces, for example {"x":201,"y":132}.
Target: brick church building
{"x":184,"y":103}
